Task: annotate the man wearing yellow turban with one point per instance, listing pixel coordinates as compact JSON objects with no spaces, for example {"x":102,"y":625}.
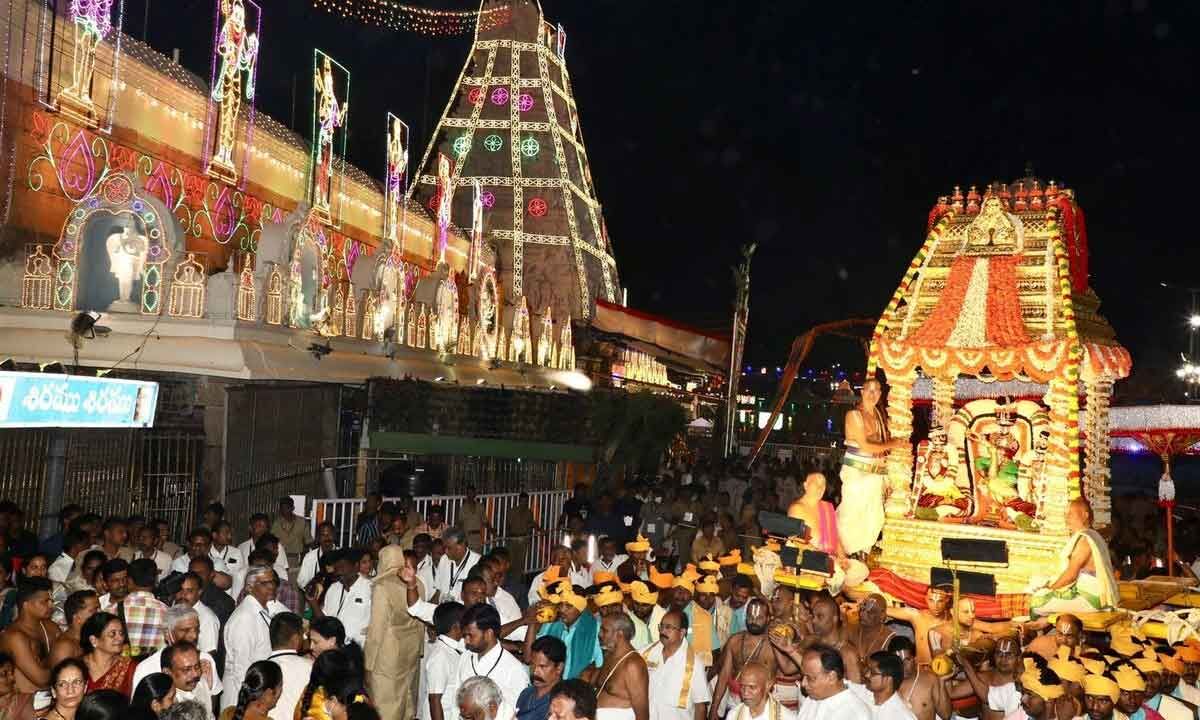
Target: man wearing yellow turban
{"x":578,"y":629}
{"x":1187,"y":689}
{"x":1041,"y":688}
{"x":1172,"y":682}
{"x":708,"y":620}
{"x":1152,"y":670}
{"x":640,"y":606}
{"x":1132,"y":689}
{"x":1100,"y":695}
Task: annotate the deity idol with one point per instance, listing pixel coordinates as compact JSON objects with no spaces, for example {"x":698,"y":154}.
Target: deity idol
{"x":938,"y":494}
{"x":239,"y":54}
{"x":999,"y":472}
{"x":397,"y":163}
{"x":331,"y":116}
{"x":93,"y":20}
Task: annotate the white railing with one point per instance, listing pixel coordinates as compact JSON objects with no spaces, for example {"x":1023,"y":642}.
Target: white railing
{"x":547,"y":509}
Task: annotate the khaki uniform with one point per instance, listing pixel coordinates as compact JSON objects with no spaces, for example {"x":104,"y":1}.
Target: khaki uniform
{"x":520,"y":525}
{"x":472,"y":517}
{"x":293,"y":538}
{"x":395,"y":642}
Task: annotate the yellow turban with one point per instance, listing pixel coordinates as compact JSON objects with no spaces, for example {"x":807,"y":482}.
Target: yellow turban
{"x":569,"y":597}
{"x":1122,"y":642}
{"x":1129,"y":679}
{"x":1172,"y":663}
{"x":641,"y":594}
{"x":1066,"y":667}
{"x":732,"y":558}
{"x":691,"y":573}
{"x":708,"y":564}
{"x":603,"y":577}
{"x":1101,"y":686}
{"x":608,"y":596}
{"x":1094,"y":666}
{"x":1147,"y":665}
{"x":661,"y":580}
{"x":1188,"y":654}
{"x":708,"y":585}
{"x":1031,"y":680}
{"x":684,"y":581}
{"x":641,"y":544}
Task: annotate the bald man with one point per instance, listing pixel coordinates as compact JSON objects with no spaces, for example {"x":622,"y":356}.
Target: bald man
{"x":1084,"y":580}
{"x":756,"y":703}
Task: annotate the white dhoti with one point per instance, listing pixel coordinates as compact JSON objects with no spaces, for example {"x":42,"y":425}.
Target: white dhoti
{"x":852,"y":576}
{"x":860,"y":514}
{"x":1090,"y":591}
{"x":603,"y":713}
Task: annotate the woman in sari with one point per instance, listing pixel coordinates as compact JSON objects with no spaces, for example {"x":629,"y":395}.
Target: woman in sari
{"x":103,"y":639}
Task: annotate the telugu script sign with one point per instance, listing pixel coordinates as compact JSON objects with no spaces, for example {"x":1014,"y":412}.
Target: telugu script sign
{"x":41,"y":400}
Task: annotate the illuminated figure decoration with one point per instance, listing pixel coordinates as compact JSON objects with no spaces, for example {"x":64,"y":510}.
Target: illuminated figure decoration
{"x":92,"y":22}
{"x":445,"y":202}
{"x":235,"y":61}
{"x":474,"y":257}
{"x":397,"y":168}
{"x":938,"y":493}
{"x":521,"y":342}
{"x":329,"y":116}
{"x":445,"y":323}
{"x":187,"y":289}
{"x":545,"y":347}
{"x":38,"y":283}
{"x":488,"y":327}
{"x":126,"y":256}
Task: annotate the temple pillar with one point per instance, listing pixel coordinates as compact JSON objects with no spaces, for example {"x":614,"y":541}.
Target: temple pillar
{"x":900,"y":461}
{"x":1062,"y":456}
{"x":943,"y":401}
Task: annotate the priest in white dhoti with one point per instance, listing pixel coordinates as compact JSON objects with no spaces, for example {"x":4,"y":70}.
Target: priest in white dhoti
{"x":825,"y":683}
{"x":1084,"y":580}
{"x":678,"y":685}
{"x":864,"y":472}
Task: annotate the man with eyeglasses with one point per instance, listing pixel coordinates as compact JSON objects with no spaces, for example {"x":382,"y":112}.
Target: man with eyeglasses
{"x":678,"y":686}
{"x":183,"y":630}
{"x":884,"y":675}
{"x":248,"y":632}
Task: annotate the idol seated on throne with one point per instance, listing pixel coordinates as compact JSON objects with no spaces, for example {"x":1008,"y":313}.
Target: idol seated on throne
{"x":939,"y":496}
{"x":983,"y":469}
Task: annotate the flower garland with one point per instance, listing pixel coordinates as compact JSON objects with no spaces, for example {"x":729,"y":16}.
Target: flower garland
{"x":1005,"y":327}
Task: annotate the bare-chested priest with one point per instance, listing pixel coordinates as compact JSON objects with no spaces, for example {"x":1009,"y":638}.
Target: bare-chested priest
{"x":744,"y":648}
{"x":864,"y":471}
{"x":1084,"y":580}
{"x":29,"y":639}
{"x":623,"y":682}
{"x":936,"y":612}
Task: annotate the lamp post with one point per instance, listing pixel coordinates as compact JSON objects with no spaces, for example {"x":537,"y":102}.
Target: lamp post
{"x":1189,"y":368}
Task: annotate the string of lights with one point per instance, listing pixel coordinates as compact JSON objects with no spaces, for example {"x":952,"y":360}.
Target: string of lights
{"x":410,"y":18}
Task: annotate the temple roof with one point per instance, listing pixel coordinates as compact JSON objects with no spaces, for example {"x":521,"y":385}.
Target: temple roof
{"x":1000,"y":287}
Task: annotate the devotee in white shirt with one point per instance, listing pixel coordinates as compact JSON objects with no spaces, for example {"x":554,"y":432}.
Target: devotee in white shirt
{"x":485,"y":657}
{"x":676,"y":675}
{"x":825,"y":683}
{"x":226,"y":555}
{"x":756,"y":681}
{"x":426,"y":567}
{"x":248,"y":632}
{"x":609,"y":559}
{"x":502,"y":600}
{"x":311,"y":563}
{"x":883,"y":676}
{"x":260,"y":525}
{"x":348,"y":599}
{"x":440,"y":662}
{"x":210,"y":627}
{"x":456,"y":564}
{"x":186,"y":667}
{"x":146,"y":544}
{"x":182,"y":627}
{"x":287,"y":637}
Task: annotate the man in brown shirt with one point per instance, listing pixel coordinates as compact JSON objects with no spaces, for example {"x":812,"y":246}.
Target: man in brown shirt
{"x":293,"y":534}
{"x":473,"y":519}
{"x":520,"y":523}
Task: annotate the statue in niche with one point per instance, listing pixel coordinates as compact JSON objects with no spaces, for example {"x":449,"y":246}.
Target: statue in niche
{"x":92,"y":20}
{"x":238,"y":50}
{"x":938,"y":495}
{"x":998,"y":462}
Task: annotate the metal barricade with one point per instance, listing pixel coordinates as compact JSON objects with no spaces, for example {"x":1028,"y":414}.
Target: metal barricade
{"x":546,"y":504}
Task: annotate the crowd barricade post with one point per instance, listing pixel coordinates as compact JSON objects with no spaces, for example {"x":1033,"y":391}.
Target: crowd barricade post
{"x":547,"y":510}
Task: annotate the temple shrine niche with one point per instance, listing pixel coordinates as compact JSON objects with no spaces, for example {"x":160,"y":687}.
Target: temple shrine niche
{"x":995,"y":324}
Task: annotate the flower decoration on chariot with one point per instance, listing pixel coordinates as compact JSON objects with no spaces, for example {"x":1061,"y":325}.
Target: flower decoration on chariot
{"x":993,"y":230}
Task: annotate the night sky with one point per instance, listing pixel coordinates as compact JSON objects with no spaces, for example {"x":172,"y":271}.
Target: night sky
{"x":822,"y":131}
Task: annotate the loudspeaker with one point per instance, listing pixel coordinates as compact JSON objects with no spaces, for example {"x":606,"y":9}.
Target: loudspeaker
{"x":975,"y":551}
{"x":971,"y":583}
